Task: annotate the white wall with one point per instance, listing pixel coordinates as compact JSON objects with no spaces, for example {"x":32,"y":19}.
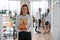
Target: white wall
{"x":24,"y":2}
{"x":3,"y":4}
{"x":1,"y":27}
{"x":58,"y":21}
{"x":55,"y":7}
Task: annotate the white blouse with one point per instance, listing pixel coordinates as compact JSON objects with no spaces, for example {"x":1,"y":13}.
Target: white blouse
{"x":30,"y":22}
{"x":48,"y":17}
{"x":38,"y":15}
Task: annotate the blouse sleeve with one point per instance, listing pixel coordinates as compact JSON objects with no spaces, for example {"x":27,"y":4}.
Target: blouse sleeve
{"x":31,"y":23}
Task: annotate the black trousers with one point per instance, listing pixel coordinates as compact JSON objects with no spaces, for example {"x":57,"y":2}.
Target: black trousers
{"x":47,"y":23}
{"x":24,"y":36}
{"x":39,"y":22}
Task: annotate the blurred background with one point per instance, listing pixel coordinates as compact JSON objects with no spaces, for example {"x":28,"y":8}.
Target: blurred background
{"x":10,"y":8}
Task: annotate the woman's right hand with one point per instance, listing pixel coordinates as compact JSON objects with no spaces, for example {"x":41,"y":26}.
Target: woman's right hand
{"x":23,"y":27}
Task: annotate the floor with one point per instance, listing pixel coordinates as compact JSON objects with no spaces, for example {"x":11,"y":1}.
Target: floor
{"x":37,"y":36}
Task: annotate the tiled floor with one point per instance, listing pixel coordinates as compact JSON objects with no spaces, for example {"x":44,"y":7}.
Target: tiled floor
{"x":37,"y":36}
{"x":42,"y":37}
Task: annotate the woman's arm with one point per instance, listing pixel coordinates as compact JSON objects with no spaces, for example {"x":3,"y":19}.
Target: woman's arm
{"x":31,"y":23}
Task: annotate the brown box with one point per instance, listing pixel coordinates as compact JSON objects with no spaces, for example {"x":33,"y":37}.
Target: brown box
{"x":23,"y":24}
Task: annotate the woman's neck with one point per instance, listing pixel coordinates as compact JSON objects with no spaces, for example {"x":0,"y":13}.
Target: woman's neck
{"x":24,"y":14}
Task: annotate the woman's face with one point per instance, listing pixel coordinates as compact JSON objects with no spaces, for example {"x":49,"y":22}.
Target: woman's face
{"x":24,"y":10}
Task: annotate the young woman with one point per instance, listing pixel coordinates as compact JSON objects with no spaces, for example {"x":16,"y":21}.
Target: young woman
{"x":47,"y":22}
{"x":24,"y":23}
{"x":38,"y":18}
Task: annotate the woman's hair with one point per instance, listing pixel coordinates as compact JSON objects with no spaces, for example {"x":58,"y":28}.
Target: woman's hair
{"x":40,"y":9}
{"x":48,"y":10}
{"x":24,"y":5}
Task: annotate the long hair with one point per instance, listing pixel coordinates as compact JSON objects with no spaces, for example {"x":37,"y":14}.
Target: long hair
{"x":24,"y":5}
{"x":48,"y":10}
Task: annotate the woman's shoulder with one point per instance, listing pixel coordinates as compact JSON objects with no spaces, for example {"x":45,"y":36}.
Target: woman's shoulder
{"x":29,"y":15}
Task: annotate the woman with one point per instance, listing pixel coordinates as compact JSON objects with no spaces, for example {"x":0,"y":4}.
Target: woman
{"x":38,"y":17}
{"x":24,"y":23}
{"x":47,"y":22}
